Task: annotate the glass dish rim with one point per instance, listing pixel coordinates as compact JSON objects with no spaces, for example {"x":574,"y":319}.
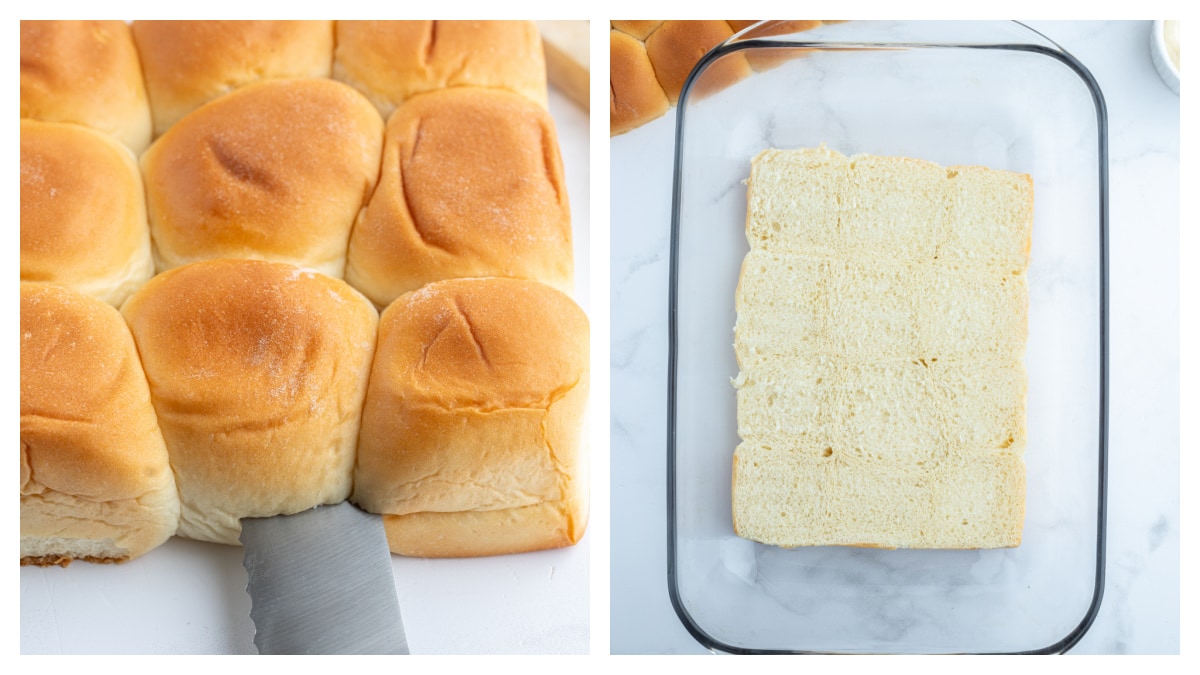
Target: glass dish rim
{"x":737,"y":43}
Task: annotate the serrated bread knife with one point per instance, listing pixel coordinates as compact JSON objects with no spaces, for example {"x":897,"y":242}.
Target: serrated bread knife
{"x":321,"y":583}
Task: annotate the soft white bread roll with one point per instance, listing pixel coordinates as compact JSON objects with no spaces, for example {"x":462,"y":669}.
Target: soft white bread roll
{"x":471,"y":439}
{"x":257,"y":371}
{"x":189,"y":63}
{"x":95,"y":481}
{"x":276,"y":170}
{"x":88,"y":73}
{"x":83,"y":212}
{"x":392,"y":61}
{"x":472,"y":185}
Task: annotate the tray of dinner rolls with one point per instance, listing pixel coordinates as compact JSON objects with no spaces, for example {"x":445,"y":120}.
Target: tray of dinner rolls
{"x":271,"y":265}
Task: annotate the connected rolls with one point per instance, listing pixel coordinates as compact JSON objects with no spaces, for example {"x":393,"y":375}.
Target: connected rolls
{"x":189,"y":63}
{"x":253,"y":357}
{"x":651,"y":60}
{"x":392,"y":61}
{"x":882,"y":316}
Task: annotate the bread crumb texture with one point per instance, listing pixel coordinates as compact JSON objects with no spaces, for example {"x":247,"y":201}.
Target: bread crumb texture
{"x":881,"y":327}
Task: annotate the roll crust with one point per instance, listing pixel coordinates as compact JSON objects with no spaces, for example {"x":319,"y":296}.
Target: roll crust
{"x":189,"y":63}
{"x":276,"y":170}
{"x":472,"y":423}
{"x":83,"y":212}
{"x":95,"y":479}
{"x":257,"y":372}
{"x":392,"y":61}
{"x":638,"y":29}
{"x":87,"y":73}
{"x":472,"y":185}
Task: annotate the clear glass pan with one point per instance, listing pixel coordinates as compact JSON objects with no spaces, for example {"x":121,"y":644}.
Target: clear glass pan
{"x":996,"y":94}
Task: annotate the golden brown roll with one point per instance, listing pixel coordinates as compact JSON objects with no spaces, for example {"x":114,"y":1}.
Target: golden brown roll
{"x":257,"y":371}
{"x":637,"y":88}
{"x":471,"y":438}
{"x":392,"y":61}
{"x":85,"y":72}
{"x":472,"y":185}
{"x":676,"y":47}
{"x":95,"y":481}
{"x":276,"y":170}
{"x":635,"y":96}
{"x":189,"y":63}
{"x":83,"y":212}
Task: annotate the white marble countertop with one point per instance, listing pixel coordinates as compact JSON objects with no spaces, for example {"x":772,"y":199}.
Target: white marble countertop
{"x":1140,"y":609}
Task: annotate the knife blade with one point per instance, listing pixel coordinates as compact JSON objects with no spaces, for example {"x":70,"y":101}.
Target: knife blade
{"x":321,"y":583}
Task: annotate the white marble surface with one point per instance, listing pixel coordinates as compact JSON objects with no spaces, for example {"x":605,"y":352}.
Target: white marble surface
{"x":1140,"y":610}
{"x":189,"y":597}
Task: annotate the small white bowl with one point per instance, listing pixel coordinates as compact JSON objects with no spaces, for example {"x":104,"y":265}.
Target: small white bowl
{"x":1162,"y":60}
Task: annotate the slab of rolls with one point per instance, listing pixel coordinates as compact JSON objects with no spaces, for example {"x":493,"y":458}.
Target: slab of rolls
{"x":272,"y":265}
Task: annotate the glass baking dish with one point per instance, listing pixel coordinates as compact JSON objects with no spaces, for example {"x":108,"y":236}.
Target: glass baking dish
{"x":996,"y":94}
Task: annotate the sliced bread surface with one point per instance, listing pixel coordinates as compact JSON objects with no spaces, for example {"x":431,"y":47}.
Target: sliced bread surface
{"x":881,"y":329}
